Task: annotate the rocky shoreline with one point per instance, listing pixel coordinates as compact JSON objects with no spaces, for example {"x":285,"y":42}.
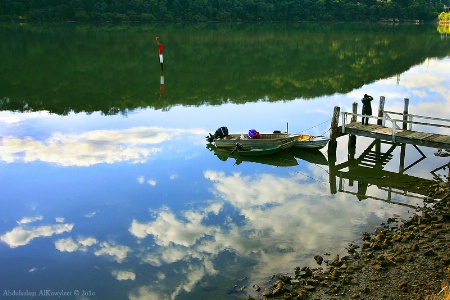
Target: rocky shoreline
{"x":407,"y":259}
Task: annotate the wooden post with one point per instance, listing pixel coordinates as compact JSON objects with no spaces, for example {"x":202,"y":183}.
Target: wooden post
{"x":332,"y":147}
{"x":335,"y":124}
{"x":378,"y":154}
{"x":405,"y":114}
{"x":394,"y":130}
{"x":381,"y":110}
{"x":332,"y":172}
{"x":402,"y":158}
{"x":351,"y":154}
{"x":355,"y":111}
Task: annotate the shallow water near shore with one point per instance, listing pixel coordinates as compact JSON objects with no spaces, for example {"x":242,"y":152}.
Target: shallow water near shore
{"x":130,"y":202}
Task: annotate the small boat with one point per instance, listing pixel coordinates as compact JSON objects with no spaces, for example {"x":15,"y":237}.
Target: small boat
{"x":283,"y":140}
{"x":256,"y":150}
{"x":310,"y":141}
{"x":281,"y":159}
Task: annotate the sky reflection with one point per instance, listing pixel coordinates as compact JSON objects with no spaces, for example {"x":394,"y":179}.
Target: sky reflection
{"x":136,"y":145}
{"x":21,"y":235}
{"x":145,"y":211}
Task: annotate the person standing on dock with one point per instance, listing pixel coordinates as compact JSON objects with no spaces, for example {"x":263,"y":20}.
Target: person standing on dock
{"x":160,"y":51}
{"x":367,"y":108}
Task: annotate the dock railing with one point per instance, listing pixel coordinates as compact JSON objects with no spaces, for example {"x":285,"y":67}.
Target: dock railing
{"x":410,"y":117}
{"x":407,"y":119}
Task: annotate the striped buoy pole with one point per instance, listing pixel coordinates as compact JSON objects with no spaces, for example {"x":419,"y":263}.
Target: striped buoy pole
{"x":160,"y":51}
{"x":161,"y":83}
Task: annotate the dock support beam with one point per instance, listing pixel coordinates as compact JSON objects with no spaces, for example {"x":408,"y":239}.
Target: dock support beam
{"x":405,"y":114}
{"x":332,"y":147}
{"x":335,"y":123}
{"x":332,"y":170}
{"x":352,"y":140}
{"x":381,"y":110}
{"x":351,"y":154}
{"x":354,"y":111}
{"x":402,"y":158}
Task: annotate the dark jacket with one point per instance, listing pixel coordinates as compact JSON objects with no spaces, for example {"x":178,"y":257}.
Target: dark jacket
{"x":367,"y":107}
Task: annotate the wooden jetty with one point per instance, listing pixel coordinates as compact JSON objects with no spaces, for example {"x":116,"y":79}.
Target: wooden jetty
{"x":388,"y":128}
{"x":433,"y":140}
{"x":368,"y":169}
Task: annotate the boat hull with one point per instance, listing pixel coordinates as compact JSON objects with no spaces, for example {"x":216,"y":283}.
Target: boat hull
{"x":284,"y":141}
{"x":280,"y":159}
{"x":310,"y":142}
{"x":260,"y":151}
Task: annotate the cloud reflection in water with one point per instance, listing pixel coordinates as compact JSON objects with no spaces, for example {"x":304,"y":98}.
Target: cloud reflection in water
{"x":21,"y":235}
{"x":285,"y":219}
{"x":276,"y":221}
{"x":92,"y":147}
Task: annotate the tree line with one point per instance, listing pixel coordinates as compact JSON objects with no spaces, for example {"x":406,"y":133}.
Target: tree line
{"x":219,"y":10}
{"x":114,"y":68}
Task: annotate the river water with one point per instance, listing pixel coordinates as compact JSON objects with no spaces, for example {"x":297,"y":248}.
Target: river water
{"x":110,"y":191}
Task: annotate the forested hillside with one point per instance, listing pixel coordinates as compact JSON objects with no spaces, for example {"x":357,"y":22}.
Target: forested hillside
{"x":219,"y":10}
{"x":114,"y":68}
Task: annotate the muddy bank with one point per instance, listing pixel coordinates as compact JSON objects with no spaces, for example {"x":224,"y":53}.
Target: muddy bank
{"x":402,"y":259}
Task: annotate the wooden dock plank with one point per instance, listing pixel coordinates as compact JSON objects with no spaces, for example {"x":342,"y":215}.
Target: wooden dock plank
{"x":440,"y":138}
{"x":433,"y":140}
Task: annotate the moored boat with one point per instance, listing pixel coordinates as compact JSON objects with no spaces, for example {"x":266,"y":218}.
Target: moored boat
{"x":280,"y":159}
{"x":283,"y":140}
{"x":256,"y":150}
{"x":310,"y":141}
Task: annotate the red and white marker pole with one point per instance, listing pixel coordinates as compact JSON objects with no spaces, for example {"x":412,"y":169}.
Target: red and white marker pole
{"x":161,"y":83}
{"x":160,"y":51}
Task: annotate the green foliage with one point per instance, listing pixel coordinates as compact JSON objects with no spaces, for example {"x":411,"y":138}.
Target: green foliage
{"x":443,"y":29}
{"x":114,"y":68}
{"x":444,"y":16}
{"x":219,"y":10}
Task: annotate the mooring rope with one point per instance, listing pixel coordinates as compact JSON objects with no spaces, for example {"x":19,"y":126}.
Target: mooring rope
{"x":314,"y":179}
{"x":318,"y":125}
{"x":329,"y":129}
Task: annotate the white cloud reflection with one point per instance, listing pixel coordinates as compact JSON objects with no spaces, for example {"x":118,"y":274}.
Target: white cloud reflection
{"x":431,"y":77}
{"x":12,"y":118}
{"x":27,"y":220}
{"x":21,"y":236}
{"x":117,"y":252}
{"x":286,"y":217}
{"x":147,"y":292}
{"x":188,"y":232}
{"x":86,"y":242}
{"x":70,"y":245}
{"x":66,"y":245}
{"x":141,"y":180}
{"x":136,"y":144}
{"x":90,"y":214}
{"x":109,"y":249}
{"x":190,"y":276}
{"x":123,"y":275}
